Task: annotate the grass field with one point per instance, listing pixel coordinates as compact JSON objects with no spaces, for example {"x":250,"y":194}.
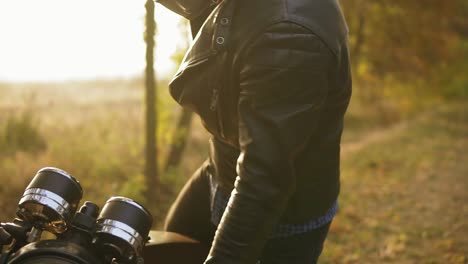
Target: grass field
{"x":93,"y":130}
{"x":404,"y":193}
{"x":404,"y":184}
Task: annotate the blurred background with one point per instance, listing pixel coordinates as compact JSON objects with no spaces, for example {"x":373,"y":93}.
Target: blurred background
{"x":74,"y":95}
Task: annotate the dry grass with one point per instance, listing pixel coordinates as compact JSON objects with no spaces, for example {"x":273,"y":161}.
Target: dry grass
{"x":93,"y":130}
{"x":404,"y":195}
{"x":404,"y":183}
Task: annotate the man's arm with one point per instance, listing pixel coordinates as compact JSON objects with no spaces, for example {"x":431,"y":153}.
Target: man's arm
{"x":190,"y":9}
{"x":283,"y":86}
{"x":197,"y":17}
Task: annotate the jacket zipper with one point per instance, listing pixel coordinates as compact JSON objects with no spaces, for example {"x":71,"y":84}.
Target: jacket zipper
{"x":214,"y":99}
{"x":215,"y":108}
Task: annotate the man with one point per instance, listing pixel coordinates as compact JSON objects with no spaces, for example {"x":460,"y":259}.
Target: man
{"x":271,"y":82}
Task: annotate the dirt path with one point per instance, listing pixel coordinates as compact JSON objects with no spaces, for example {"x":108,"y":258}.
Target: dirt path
{"x":404,"y":194}
{"x":373,"y":137}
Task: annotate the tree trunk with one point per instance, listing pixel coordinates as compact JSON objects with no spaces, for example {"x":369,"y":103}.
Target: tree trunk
{"x":180,"y":140}
{"x":360,"y":35}
{"x":151,"y":167}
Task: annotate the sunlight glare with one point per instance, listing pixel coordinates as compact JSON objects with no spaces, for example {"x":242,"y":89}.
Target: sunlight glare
{"x":52,"y":40}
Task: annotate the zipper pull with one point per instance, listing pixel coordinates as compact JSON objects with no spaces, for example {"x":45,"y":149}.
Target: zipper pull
{"x":214,"y":100}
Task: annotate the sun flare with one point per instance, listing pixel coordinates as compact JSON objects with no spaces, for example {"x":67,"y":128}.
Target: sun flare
{"x":51,"y":40}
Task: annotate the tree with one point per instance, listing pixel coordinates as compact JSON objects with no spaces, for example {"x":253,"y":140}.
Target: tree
{"x":182,"y":131}
{"x":179,"y":141}
{"x":404,"y":48}
{"x":151,"y":167}
{"x":400,"y":37}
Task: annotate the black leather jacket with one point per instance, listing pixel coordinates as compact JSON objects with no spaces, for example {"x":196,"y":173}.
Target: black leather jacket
{"x":271,"y":82}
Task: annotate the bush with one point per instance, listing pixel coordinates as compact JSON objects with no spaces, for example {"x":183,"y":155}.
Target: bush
{"x":21,"y":133}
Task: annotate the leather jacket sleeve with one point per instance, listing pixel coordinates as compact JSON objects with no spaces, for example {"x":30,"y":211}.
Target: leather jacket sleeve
{"x":189,"y":9}
{"x":283,"y":80}
{"x":196,"y":18}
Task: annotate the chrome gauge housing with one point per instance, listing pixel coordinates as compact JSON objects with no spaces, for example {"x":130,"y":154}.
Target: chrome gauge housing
{"x":50,"y":200}
{"x":122,"y":228}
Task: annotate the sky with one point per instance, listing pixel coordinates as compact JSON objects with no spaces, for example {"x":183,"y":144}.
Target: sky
{"x":56,"y":40}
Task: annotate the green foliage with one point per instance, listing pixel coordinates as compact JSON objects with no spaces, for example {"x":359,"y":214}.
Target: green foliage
{"x":453,"y":80}
{"x":406,"y":55}
{"x":403,"y":37}
{"x":22,"y":133}
{"x":135,"y":187}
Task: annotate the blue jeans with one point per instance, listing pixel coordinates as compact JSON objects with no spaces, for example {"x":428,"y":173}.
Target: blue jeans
{"x":297,"y":249}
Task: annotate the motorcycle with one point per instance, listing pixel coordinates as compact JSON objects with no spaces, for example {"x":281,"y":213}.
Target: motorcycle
{"x":50,"y":230}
